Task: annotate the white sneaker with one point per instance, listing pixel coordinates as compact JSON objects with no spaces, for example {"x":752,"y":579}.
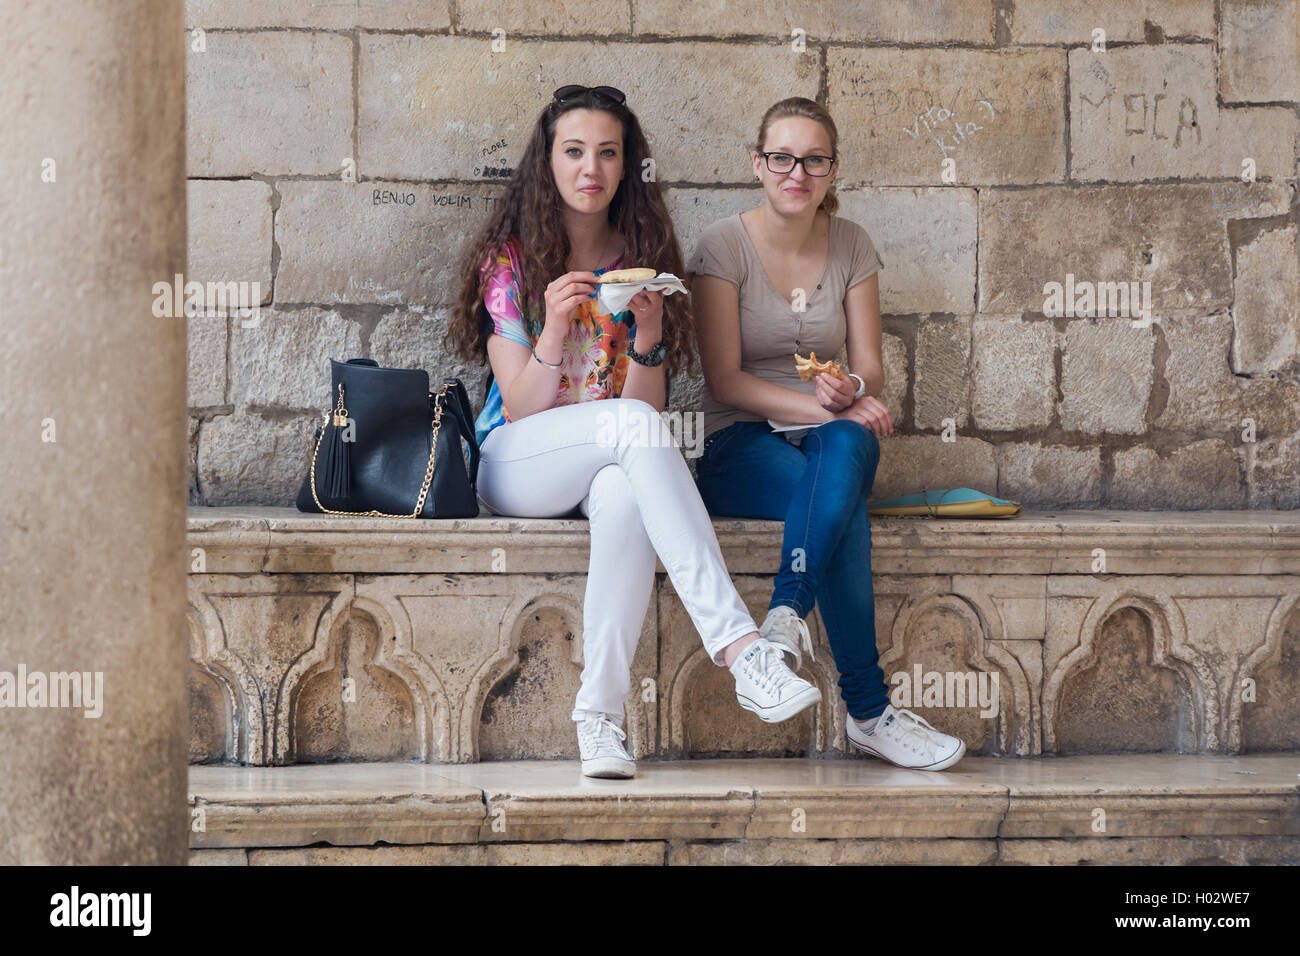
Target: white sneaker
{"x":785,"y":627}
{"x":767,"y":687}
{"x":904,"y":739}
{"x":600,"y":741}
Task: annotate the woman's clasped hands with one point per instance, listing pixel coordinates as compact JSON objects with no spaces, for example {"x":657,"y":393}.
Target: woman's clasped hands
{"x":836,"y":396}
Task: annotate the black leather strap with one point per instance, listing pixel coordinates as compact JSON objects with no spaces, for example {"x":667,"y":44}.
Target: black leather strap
{"x":464,"y":415}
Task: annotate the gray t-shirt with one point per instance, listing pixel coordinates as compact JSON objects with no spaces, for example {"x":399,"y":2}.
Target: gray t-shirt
{"x":768,"y":323}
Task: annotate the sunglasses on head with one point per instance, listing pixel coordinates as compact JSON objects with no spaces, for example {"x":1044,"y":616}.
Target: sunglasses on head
{"x":608,"y":92}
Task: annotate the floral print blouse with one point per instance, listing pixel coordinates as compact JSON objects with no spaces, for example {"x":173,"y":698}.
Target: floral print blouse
{"x":594,"y":359}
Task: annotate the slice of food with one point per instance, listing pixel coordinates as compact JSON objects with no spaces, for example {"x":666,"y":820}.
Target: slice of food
{"x":627,"y":275}
{"x":809,"y":368}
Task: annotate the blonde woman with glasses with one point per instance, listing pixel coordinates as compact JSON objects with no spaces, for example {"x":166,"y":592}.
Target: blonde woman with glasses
{"x":791,"y":277}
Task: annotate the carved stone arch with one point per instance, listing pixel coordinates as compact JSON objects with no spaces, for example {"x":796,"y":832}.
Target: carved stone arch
{"x":1169,"y":651}
{"x":457,"y":636}
{"x":509,"y":661}
{"x":676,"y":697}
{"x":826,"y":716}
{"x":223,"y":706}
{"x":1014,"y":729}
{"x":1026,"y":736}
{"x":428,"y":694}
{"x":307,"y":663}
{"x":310,"y":667}
{"x":830,"y":715}
{"x":1268,"y":654}
{"x":985,"y":610}
{"x":213,"y":657}
{"x":442,"y":700}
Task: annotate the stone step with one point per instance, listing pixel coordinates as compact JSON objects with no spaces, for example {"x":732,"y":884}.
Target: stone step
{"x":1131,"y":809}
{"x":334,"y":638}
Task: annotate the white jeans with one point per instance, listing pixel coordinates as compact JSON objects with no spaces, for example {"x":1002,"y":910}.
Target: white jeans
{"x":621,"y":468}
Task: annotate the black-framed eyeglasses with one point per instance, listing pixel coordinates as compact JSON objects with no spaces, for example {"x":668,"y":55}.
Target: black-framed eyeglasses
{"x":812,"y":165}
{"x":608,"y":92}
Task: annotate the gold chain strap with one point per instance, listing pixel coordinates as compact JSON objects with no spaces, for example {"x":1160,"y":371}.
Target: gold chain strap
{"x":340,"y":418}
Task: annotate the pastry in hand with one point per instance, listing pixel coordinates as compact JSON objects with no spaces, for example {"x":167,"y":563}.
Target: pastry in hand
{"x":626,"y":275}
{"x":809,"y":368}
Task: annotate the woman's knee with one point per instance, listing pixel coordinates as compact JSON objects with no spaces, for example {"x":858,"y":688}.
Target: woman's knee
{"x":631,"y":420}
{"x":846,"y":437}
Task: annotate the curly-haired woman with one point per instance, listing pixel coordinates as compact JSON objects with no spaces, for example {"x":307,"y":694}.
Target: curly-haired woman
{"x":571,"y":422}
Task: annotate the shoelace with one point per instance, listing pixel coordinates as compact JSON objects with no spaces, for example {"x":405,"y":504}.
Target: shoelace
{"x":767,"y":668}
{"x":803,"y":638}
{"x":914,"y":726}
{"x":598,"y":731}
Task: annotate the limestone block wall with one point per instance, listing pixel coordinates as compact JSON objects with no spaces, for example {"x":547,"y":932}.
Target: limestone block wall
{"x":341,"y":155}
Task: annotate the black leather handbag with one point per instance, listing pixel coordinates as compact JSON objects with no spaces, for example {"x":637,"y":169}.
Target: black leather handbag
{"x":391,"y":448}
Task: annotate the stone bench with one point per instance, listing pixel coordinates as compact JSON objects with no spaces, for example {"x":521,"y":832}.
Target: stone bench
{"x":362,"y":639}
{"x":1126,"y":809}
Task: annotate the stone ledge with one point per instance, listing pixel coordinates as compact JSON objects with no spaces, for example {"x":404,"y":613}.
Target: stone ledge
{"x":855,"y":810}
{"x":1129,"y":851}
{"x":269,"y":540}
{"x":326,"y":638}
{"x":402,"y":803}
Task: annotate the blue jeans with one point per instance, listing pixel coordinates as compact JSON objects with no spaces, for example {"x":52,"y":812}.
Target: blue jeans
{"x":820,"y":489}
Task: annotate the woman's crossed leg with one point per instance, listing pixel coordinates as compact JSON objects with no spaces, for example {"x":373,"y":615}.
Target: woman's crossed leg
{"x":543,"y":466}
{"x":616,"y":461}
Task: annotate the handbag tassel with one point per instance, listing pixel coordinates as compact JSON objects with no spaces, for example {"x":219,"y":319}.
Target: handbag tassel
{"x":338,"y":455}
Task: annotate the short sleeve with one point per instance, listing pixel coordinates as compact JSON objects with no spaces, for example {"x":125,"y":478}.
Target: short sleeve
{"x":865,"y":260}
{"x":501,"y":300}
{"x":714,"y":256}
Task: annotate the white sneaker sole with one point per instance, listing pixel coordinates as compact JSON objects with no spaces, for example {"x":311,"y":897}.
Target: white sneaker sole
{"x":783,"y":711}
{"x":609,"y":767}
{"x":943,"y":764}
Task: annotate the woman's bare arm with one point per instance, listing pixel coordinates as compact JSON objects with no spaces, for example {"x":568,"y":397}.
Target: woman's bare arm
{"x":526,"y":385}
{"x":862,"y":317}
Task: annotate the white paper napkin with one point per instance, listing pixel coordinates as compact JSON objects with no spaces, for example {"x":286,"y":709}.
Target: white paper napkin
{"x":791,"y":432}
{"x":613,"y":297}
{"x":791,"y":426}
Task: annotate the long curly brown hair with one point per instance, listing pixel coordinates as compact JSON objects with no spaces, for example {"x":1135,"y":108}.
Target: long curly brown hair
{"x":531,"y":210}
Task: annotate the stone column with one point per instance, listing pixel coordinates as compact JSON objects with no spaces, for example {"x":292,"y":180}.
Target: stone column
{"x":92,"y":401}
